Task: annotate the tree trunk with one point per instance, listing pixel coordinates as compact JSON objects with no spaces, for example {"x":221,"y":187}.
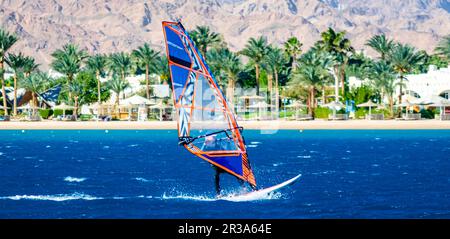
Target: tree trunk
{"x":117,"y":105}
{"x":69,"y":94}
{"x":75,"y":108}
{"x":294,"y":63}
{"x":33,"y":104}
{"x":401,"y":90}
{"x":269,"y":90}
{"x":312,"y":101}
{"x":336,"y":75}
{"x":342,"y":76}
{"x":2,"y":78}
{"x":323,"y":95}
{"x":230,"y":93}
{"x":147,"y":82}
{"x":257,"y":78}
{"x":99,"y":93}
{"x":15,"y":95}
{"x":276,"y":93}
{"x":391,"y":105}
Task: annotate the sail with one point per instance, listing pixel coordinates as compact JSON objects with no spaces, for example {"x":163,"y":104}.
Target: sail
{"x":206,"y":124}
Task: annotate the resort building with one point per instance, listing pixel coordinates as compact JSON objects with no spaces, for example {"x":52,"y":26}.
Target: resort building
{"x":434,"y":82}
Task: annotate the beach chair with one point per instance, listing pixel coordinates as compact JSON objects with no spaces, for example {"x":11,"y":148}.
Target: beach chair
{"x":5,"y":118}
{"x":374,"y":117}
{"x":85,"y":117}
{"x":338,"y":117}
{"x":411,"y":116}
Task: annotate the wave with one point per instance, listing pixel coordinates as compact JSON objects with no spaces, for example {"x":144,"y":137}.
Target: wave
{"x":255,"y":142}
{"x":55,"y":197}
{"x":233,"y":197}
{"x":142,"y":179}
{"x":73,"y":179}
{"x":189,"y":197}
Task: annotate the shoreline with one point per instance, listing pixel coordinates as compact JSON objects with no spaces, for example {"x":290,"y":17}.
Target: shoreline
{"x":255,"y":125}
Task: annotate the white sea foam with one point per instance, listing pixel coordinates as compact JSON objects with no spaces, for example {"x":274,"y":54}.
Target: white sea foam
{"x":188,"y":197}
{"x":255,"y":142}
{"x":142,"y":180}
{"x":253,"y":197}
{"x":133,"y":145}
{"x":55,"y":197}
{"x":304,"y":156}
{"x":252,"y":146}
{"x":73,"y":179}
{"x":48,"y":146}
{"x":232,"y":197}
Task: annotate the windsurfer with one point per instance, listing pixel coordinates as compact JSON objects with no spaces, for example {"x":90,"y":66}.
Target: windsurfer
{"x":212,"y":143}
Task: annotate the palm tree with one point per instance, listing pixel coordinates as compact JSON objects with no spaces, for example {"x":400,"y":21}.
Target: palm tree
{"x":121,"y":64}
{"x":34,"y":83}
{"x":29,"y":65}
{"x":256,"y":50}
{"x":16,"y":62}
{"x":382,"y":77}
{"x":216,"y":59}
{"x":76,"y":87}
{"x":275,"y":63}
{"x":204,"y":38}
{"x":381,"y":44}
{"x":68,"y":61}
{"x":97,"y":64}
{"x":145,"y":57}
{"x":340,"y":47}
{"x":117,"y":85}
{"x":7,"y":40}
{"x":312,"y":74}
{"x":293,"y":48}
{"x":403,"y":59}
{"x":225,"y":65}
{"x":162,"y":68}
{"x":443,"y":49}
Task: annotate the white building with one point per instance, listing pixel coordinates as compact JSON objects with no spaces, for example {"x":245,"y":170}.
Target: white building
{"x":434,"y":82}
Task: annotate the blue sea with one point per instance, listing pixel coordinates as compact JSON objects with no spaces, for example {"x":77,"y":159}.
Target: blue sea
{"x":145,"y":174}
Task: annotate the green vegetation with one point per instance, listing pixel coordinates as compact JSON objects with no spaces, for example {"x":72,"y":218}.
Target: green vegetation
{"x":284,"y":70}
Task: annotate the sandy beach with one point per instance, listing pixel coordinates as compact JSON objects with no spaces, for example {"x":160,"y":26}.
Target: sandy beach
{"x":269,"y":125}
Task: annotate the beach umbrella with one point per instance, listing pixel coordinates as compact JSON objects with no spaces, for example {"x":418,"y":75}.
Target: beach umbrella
{"x":295,"y":105}
{"x":369,"y":104}
{"x":334,"y":105}
{"x":64,"y":107}
{"x":160,"y":106}
{"x":136,"y":100}
{"x":405,"y":104}
{"x":252,"y":97}
{"x":260,"y":105}
{"x":440,"y":102}
{"x":29,"y":108}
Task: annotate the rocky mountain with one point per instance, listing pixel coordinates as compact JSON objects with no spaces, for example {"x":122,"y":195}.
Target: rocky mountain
{"x":120,"y":25}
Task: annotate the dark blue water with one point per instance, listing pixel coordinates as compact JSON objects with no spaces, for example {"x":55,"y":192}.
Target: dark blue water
{"x":144,"y":174}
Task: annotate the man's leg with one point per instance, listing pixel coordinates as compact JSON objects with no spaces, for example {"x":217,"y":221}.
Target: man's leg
{"x":217,"y":181}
